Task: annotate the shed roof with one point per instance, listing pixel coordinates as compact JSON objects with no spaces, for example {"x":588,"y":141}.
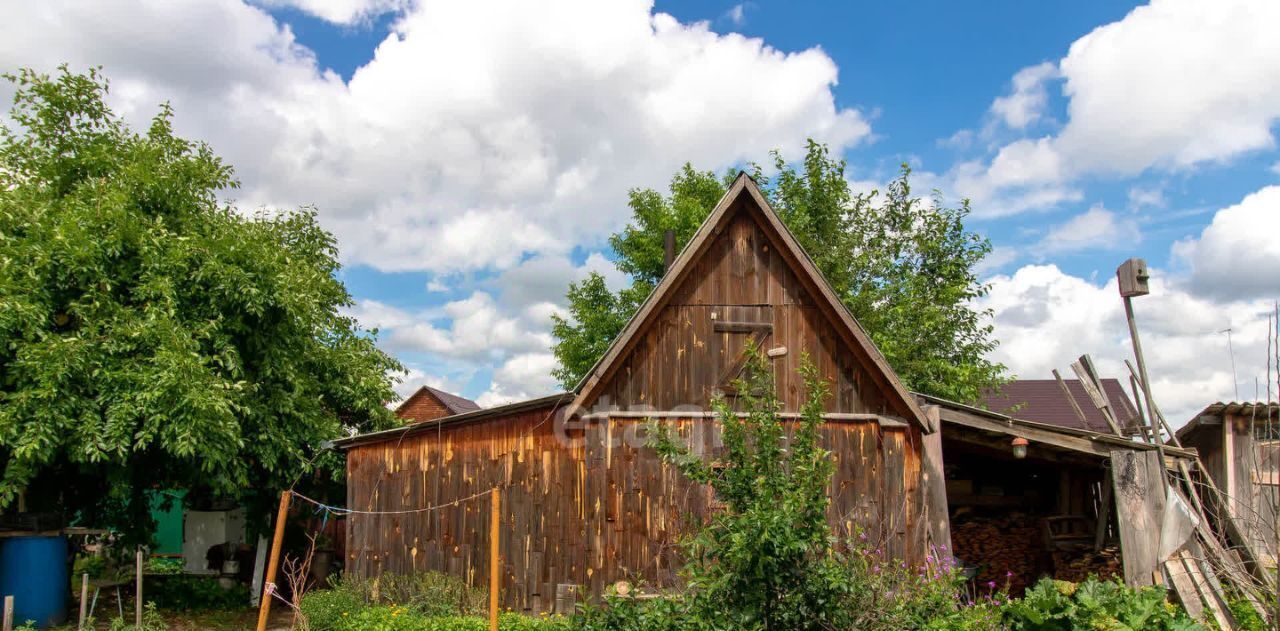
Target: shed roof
{"x":957,"y":417}
{"x":1213,"y":413}
{"x":1043,"y":401}
{"x":452,"y":402}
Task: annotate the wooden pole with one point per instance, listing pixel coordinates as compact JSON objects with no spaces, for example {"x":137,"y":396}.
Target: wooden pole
{"x":269,"y":583}
{"x":84,"y":599}
{"x":1146,"y":383}
{"x":1070,"y":398}
{"x":137,"y":599}
{"x":8,"y":613}
{"x":495,"y":572}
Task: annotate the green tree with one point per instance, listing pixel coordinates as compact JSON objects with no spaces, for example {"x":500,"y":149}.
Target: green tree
{"x":904,"y":266}
{"x":151,"y":336}
{"x":767,"y":560}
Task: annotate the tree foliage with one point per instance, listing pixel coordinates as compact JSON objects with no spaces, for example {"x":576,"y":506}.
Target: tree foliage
{"x":904,"y":266}
{"x":151,"y":336}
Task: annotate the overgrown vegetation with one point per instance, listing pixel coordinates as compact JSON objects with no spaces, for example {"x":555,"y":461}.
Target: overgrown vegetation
{"x":151,"y":335}
{"x":194,"y":593}
{"x":768,"y":560}
{"x":151,"y":621}
{"x":1058,"y":605}
{"x":426,"y":595}
{"x":903,"y":265}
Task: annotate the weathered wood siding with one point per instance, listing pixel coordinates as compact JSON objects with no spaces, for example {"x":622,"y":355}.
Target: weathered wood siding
{"x":595,"y":505}
{"x":543,"y":505}
{"x":591,"y":507}
{"x":679,"y":361}
{"x":422,"y":406}
{"x":647,"y":506}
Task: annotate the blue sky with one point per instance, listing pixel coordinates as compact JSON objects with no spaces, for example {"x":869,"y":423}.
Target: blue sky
{"x":473,"y":157}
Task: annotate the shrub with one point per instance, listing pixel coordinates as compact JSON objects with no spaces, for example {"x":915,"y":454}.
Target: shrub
{"x":195,"y":593}
{"x":151,"y":621}
{"x":764,"y":561}
{"x":396,"y":618}
{"x":426,"y":595}
{"x":618,"y":613}
{"x":324,"y":609}
{"x":1052,"y":605}
{"x":881,"y":593}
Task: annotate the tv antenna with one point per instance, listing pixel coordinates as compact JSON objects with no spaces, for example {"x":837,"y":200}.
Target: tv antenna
{"x":1235,"y":383}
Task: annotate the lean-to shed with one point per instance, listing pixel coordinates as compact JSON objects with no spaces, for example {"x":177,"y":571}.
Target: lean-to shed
{"x":585,"y":501}
{"x":1239,"y":444}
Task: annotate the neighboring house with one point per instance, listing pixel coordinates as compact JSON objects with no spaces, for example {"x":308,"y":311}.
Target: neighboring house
{"x":1043,"y":401}
{"x":1239,"y":444}
{"x":584,"y":500}
{"x":429,"y":404}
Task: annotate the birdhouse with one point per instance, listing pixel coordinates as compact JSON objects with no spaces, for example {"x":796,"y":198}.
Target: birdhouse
{"x":1133,"y":278}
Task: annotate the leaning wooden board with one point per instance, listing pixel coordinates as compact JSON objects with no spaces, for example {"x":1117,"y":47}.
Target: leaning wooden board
{"x":1140,"y":500}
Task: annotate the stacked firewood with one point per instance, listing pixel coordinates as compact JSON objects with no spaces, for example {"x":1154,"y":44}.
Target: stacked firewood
{"x":1077,"y":566}
{"x":1005,"y":550}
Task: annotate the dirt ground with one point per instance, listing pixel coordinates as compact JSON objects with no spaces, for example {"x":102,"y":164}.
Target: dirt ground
{"x":200,"y":620}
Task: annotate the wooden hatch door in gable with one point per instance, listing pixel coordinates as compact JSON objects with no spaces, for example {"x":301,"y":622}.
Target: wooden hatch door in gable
{"x":735,"y":328}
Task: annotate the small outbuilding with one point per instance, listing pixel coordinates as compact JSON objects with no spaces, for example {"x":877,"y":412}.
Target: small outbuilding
{"x":429,"y":404}
{"x":584,"y":499}
{"x":1239,"y":444}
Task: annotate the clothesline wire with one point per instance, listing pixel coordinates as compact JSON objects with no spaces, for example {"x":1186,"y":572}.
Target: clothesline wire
{"x":338,"y":510}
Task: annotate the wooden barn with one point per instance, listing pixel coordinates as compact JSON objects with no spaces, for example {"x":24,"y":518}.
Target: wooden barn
{"x":585,"y":501}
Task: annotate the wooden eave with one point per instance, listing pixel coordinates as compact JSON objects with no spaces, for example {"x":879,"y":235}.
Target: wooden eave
{"x":808,"y":273}
{"x":552,"y":401}
{"x":1066,"y":438}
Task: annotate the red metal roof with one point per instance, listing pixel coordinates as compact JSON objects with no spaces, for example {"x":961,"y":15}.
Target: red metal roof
{"x":1043,"y":401}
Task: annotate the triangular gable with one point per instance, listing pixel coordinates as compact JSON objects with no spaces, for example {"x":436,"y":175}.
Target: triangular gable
{"x":427,"y":404}
{"x":746,"y":190}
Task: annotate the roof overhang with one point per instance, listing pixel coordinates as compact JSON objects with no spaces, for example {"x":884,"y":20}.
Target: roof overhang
{"x":1062,"y":438}
{"x":551,"y":401}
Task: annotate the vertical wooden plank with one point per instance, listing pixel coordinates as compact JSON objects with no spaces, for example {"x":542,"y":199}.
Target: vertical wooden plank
{"x":894,"y":491}
{"x":1140,"y":500}
{"x":935,"y":484}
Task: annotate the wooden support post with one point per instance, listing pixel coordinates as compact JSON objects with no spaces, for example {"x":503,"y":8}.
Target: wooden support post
{"x":8,"y":613}
{"x":495,"y":572}
{"x":84,"y":599}
{"x":277,"y":540}
{"x":1104,"y":512}
{"x":137,"y":595}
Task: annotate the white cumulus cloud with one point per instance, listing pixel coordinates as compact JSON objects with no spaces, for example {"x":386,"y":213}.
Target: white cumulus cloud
{"x":1045,"y":319}
{"x":1026,"y":103}
{"x":1096,"y":228}
{"x":1238,"y":254}
{"x":477,"y":135}
{"x":1172,"y":85}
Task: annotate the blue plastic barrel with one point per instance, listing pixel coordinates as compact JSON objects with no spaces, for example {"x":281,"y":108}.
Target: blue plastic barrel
{"x":34,"y":571}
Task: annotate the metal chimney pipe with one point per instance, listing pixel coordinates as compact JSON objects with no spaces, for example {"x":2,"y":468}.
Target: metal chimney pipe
{"x":668,"y":250}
